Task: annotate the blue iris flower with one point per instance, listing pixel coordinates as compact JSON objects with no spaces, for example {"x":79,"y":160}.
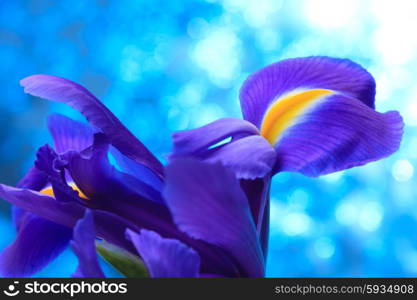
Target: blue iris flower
{"x":205,"y":214}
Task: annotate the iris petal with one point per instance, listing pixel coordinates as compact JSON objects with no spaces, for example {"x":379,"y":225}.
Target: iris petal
{"x":124,"y":195}
{"x":247,"y":154}
{"x":108,"y":226}
{"x":339,"y":133}
{"x":198,"y":140}
{"x":38,"y":242}
{"x":69,"y":134}
{"x":137,"y":170}
{"x":284,"y":111}
{"x":84,"y":247}
{"x":98,"y":179}
{"x":207,"y":203}
{"x":250,"y":157}
{"x":165,"y":258}
{"x":35,"y":180}
{"x":267,"y":85}
{"x":62,"y":90}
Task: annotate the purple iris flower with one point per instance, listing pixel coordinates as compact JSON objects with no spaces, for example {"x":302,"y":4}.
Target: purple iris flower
{"x":206,"y":213}
{"x":180,"y":220}
{"x":313,"y":115}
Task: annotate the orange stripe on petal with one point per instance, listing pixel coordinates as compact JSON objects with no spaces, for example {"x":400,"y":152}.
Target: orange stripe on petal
{"x":49,"y":191}
{"x":285,"y":110}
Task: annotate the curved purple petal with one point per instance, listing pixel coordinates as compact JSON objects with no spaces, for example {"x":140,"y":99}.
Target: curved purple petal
{"x":84,"y":247}
{"x":108,"y":226}
{"x":69,"y":134}
{"x":247,"y":154}
{"x":196,"y":141}
{"x":249,"y":157}
{"x":207,"y":203}
{"x":100,"y":181}
{"x":35,"y":180}
{"x":338,"y":134}
{"x":38,"y":242}
{"x":62,"y":90}
{"x":265,"y":86}
{"x":124,"y":195}
{"x":165,"y":258}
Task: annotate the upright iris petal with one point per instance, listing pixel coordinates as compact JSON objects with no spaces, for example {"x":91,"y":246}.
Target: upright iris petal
{"x":84,"y":247}
{"x":298,"y":75}
{"x":312,"y":115}
{"x":282,"y":113}
{"x":68,"y":134}
{"x":247,"y":154}
{"x":318,"y":113}
{"x":63,"y":90}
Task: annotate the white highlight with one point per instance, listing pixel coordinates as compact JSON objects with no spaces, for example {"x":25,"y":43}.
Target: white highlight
{"x":357,"y":213}
{"x":296,"y":223}
{"x":329,"y":14}
{"x":257,"y":13}
{"x":395,"y":37}
{"x":402,"y":170}
{"x":218,"y":54}
{"x":370,"y":216}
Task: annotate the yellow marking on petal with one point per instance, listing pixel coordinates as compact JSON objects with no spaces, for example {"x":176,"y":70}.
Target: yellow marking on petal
{"x":49,"y":191}
{"x":285,"y":110}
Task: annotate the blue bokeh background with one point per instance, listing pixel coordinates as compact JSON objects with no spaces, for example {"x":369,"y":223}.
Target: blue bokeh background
{"x":163,"y":66}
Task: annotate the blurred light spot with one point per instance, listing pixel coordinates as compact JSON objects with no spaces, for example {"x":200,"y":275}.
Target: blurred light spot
{"x":346,"y":213}
{"x":268,"y":39}
{"x":357,"y":213}
{"x":410,"y":111}
{"x":296,"y":223}
{"x":412,"y":146}
{"x":298,"y":199}
{"x":275,"y":210}
{"x":219,"y":55}
{"x":402,"y":170}
{"x":404,"y":194}
{"x":190,"y":95}
{"x":130,"y":63}
{"x":207,"y":113}
{"x":257,"y":13}
{"x":197,"y":28}
{"x":329,"y":14}
{"x":370,"y":216}
{"x":177,"y":120}
{"x":324,"y":247}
